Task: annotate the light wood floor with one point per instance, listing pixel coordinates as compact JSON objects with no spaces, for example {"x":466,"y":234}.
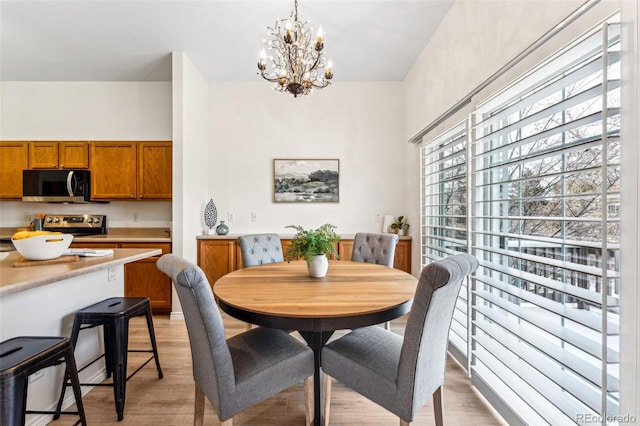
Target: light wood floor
{"x":150,"y":401}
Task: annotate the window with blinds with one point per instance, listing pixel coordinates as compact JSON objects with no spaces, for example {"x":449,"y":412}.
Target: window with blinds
{"x":444,"y":215}
{"x":541,"y":329}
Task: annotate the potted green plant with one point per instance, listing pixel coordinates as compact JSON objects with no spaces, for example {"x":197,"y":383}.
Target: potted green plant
{"x":313,"y":246}
{"x":400,"y":226}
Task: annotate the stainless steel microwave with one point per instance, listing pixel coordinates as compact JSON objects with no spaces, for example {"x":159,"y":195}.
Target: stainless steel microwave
{"x":56,"y":186}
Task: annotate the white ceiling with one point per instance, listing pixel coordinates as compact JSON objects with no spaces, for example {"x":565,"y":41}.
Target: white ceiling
{"x":91,"y":40}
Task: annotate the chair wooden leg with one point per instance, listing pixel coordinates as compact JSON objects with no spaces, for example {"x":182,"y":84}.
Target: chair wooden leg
{"x":403,"y":423}
{"x":437,"y":406}
{"x":198,"y":416}
{"x":308,"y":400}
{"x":228,"y":422}
{"x":326,"y":390}
{"x":247,"y":327}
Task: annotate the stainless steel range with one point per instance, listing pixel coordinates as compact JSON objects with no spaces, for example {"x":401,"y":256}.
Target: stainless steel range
{"x":80,"y":224}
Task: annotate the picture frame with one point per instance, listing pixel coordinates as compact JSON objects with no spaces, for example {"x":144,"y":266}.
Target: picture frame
{"x":306,"y":180}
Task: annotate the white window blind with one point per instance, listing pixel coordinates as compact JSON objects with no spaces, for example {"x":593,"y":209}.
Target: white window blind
{"x":533,"y":191}
{"x":444,"y":215}
{"x":546,"y":231}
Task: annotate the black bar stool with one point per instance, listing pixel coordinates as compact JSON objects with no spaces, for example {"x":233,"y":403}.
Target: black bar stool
{"x":21,"y":357}
{"x":114,"y":315}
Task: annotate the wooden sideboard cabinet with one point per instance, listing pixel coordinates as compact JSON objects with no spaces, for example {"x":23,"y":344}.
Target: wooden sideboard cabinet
{"x":219,"y":256}
{"x":142,"y":278}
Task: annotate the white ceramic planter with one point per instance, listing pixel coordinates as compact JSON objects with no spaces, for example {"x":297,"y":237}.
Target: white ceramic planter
{"x":318,"y":266}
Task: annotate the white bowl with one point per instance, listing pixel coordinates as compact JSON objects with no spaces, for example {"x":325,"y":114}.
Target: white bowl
{"x":43,"y":247}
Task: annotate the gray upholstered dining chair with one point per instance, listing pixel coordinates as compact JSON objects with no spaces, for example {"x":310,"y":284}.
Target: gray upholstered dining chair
{"x":398,"y":373}
{"x":243,"y":370}
{"x":258,"y":249}
{"x":375,"y":248}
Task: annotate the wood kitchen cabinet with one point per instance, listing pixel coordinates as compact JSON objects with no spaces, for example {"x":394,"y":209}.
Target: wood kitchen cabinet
{"x":154,"y":171}
{"x":142,"y":278}
{"x":219,"y":256}
{"x":131,"y":170}
{"x":113,"y":170}
{"x":58,"y":155}
{"x":14,"y":158}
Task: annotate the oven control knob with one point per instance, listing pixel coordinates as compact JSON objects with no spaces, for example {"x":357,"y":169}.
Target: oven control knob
{"x":96,"y":220}
{"x":90,"y":220}
{"x":56,"y":219}
{"x":49,"y":219}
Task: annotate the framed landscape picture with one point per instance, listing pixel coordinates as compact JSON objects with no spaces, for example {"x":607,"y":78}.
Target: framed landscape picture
{"x":306,"y":180}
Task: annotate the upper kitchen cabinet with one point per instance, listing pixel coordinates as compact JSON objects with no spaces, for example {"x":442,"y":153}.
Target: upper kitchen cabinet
{"x":130,"y":170}
{"x":113,"y":170}
{"x":58,"y":155}
{"x":154,"y":170}
{"x":14,"y":158}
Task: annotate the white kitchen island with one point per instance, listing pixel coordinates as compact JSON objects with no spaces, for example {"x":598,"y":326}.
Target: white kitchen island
{"x":41,"y":301}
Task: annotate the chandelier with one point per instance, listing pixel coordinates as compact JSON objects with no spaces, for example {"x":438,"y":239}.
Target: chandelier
{"x":295,"y":56}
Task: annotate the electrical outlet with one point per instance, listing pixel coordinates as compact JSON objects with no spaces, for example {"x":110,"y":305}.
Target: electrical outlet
{"x":35,"y":376}
{"x":377,"y":217}
{"x":28,"y":216}
{"x":230,"y":217}
{"x":135,"y":217}
{"x":254,"y":217}
{"x":111,"y":274}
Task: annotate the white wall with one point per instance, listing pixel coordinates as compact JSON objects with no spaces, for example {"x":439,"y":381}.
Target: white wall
{"x":87,"y":111}
{"x":190,"y":151}
{"x":475,"y":40}
{"x":120,"y":214}
{"x":358,"y":123}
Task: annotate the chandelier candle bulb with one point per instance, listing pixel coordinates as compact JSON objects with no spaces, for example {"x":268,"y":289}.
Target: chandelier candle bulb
{"x":319,"y":43}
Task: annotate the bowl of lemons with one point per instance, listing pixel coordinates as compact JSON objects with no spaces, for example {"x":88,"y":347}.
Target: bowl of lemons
{"x":41,"y":245}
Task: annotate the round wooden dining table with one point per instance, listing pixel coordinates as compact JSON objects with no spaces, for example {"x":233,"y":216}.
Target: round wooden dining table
{"x":283,"y":295}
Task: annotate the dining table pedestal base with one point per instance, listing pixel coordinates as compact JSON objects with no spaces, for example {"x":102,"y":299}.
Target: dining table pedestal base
{"x":316,"y":341}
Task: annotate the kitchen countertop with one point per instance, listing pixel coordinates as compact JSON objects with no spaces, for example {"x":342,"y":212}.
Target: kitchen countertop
{"x":14,"y":280}
{"x":130,"y":235}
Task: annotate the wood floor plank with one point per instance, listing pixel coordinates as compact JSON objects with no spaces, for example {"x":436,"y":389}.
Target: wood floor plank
{"x":170,"y":401}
